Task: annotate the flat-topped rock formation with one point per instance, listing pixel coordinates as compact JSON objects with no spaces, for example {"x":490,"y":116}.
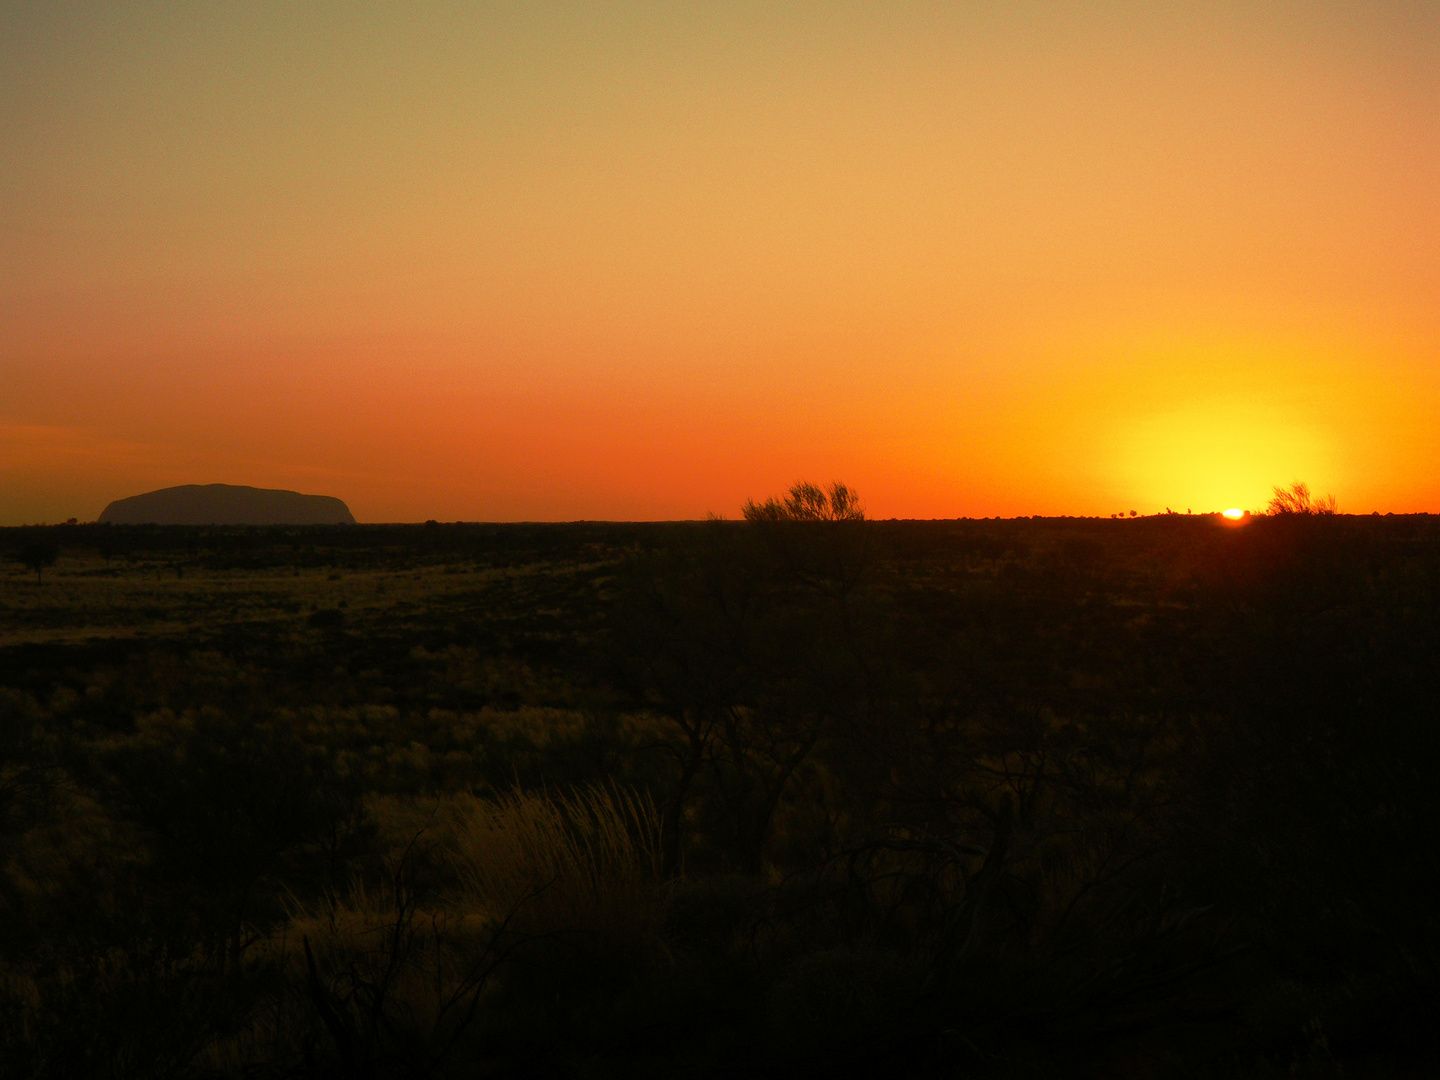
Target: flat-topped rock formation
{"x":227,"y":504}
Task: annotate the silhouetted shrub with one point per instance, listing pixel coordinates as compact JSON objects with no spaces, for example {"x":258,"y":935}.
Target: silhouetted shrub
{"x":808,"y":502}
{"x":1296,"y":499}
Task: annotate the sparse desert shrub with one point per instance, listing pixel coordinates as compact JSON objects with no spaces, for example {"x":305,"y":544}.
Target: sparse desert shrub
{"x":1296,"y":499}
{"x":809,"y":502}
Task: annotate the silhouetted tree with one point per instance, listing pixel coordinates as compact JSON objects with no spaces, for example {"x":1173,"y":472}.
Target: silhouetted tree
{"x":1296,"y":499}
{"x":38,"y":554}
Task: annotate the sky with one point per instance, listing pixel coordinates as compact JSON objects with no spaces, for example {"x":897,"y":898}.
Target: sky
{"x":551,"y":261}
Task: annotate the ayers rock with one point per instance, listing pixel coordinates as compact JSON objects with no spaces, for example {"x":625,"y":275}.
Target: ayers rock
{"x":227,"y":504}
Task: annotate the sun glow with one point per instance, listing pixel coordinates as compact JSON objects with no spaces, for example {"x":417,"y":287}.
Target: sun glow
{"x":1233,"y":514}
{"x":1217,"y":450}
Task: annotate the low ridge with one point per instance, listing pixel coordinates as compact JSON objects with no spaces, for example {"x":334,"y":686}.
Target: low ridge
{"x":227,"y":504}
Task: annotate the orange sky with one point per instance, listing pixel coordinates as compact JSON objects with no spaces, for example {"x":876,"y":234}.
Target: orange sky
{"x":529,"y":261}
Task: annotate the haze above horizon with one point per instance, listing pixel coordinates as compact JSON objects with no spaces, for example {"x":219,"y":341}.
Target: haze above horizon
{"x":562,"y":261}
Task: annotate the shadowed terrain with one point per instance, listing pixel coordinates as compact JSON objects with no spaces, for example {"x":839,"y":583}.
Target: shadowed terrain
{"x":794,"y":796}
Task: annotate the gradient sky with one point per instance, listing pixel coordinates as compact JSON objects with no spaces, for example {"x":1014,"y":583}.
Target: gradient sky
{"x":555,"y":261}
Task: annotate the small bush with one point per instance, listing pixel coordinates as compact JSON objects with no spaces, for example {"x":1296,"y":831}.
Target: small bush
{"x":1296,"y":499}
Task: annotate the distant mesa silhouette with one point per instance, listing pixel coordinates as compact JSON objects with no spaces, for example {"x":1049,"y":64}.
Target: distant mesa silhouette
{"x":227,"y":504}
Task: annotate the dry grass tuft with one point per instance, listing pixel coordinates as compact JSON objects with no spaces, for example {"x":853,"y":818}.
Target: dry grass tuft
{"x":587,"y":863}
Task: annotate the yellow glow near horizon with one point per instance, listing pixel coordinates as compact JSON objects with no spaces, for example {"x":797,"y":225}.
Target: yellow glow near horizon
{"x":1211,"y":422}
{"x":1203,"y":455}
{"x":1234,"y":514}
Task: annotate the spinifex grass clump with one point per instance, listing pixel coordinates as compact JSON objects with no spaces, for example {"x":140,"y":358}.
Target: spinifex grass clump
{"x":584,"y":864}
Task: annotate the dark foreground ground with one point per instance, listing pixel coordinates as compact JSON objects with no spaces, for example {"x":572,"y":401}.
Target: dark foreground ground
{"x":1143,"y":798}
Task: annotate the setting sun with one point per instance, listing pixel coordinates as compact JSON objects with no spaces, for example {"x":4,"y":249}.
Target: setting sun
{"x":1234,"y":514}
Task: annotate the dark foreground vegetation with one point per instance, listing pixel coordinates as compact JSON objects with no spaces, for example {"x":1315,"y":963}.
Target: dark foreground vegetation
{"x":1138,"y":798}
